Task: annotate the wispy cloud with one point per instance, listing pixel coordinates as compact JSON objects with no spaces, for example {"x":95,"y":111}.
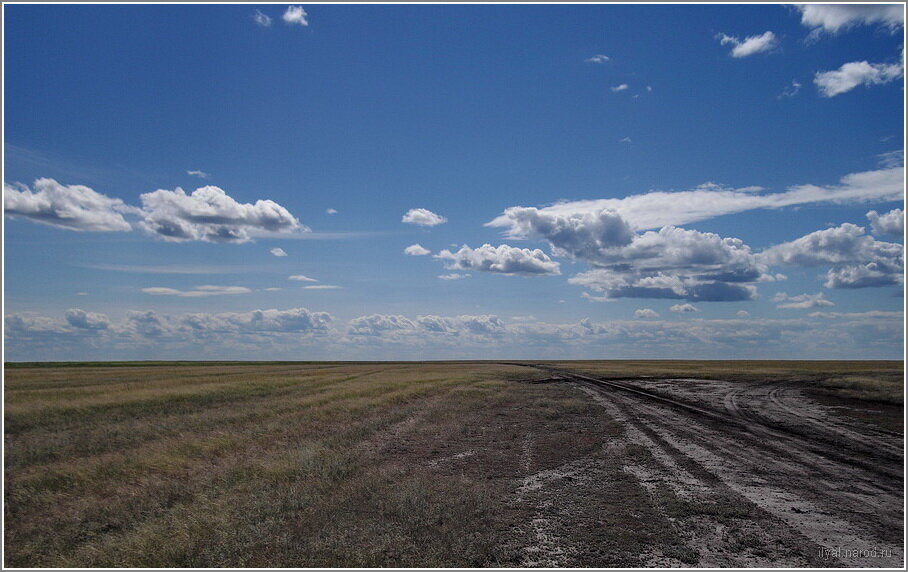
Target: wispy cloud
{"x":750,"y":45}
{"x":453,"y":276}
{"x":597,"y":59}
{"x":331,"y":211}
{"x":322,"y":287}
{"x":262,"y":19}
{"x":277,"y":252}
{"x":174,"y":268}
{"x":301,"y":278}
{"x":199,"y":174}
{"x":660,"y":208}
{"x":791,"y":90}
{"x":198,"y":291}
{"x":621,"y":87}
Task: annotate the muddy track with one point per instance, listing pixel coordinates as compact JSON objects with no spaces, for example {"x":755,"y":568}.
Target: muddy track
{"x":831,"y":486}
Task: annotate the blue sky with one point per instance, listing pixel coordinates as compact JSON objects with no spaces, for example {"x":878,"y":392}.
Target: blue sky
{"x":686,"y":181}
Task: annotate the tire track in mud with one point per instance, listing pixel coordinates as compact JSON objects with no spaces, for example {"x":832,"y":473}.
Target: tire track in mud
{"x":830,"y":499}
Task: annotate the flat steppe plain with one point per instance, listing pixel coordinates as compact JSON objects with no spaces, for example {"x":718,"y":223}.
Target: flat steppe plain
{"x":460,"y":464}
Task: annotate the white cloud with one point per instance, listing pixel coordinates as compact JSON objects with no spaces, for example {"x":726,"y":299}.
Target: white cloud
{"x":676,"y":263}
{"x":646,"y":313}
{"x":321,"y":287}
{"x":198,"y":291}
{"x":293,"y":320}
{"x":684,"y":308}
{"x":262,"y":19}
{"x":750,"y":45}
{"x":453,"y":276}
{"x":742,"y":314}
{"x":395,"y":326}
{"x":277,"y":252}
{"x":73,"y":207}
{"x":331,"y":211}
{"x":273,"y":289}
{"x":78,"y":318}
{"x":791,"y":90}
{"x":856,"y":260}
{"x":892,"y":159}
{"x":295,"y":15}
{"x":597,"y":59}
{"x":502,"y":259}
{"x":833,"y":18}
{"x":210,"y":215}
{"x":417,"y":250}
{"x":656,"y":209}
{"x":621,"y":87}
{"x":892,"y":222}
{"x":625,"y":140}
{"x":423,"y":217}
{"x":801,"y":301}
{"x":301,"y":278}
{"x":853,"y":74}
{"x":199,"y":174}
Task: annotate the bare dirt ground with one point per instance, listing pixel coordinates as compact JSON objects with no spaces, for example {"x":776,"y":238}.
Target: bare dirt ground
{"x":463,"y":464}
{"x":747,"y":473}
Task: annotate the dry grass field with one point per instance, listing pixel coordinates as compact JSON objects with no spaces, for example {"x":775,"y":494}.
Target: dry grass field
{"x":439,"y":464}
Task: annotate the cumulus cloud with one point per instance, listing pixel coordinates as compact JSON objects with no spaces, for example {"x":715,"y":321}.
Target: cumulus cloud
{"x":301,"y":278}
{"x":423,"y":217}
{"x":597,"y":59}
{"x":331,"y":211}
{"x":646,"y":313}
{"x":453,"y":276}
{"x":833,"y":18}
{"x":198,"y":291}
{"x":684,"y":308}
{"x":621,"y":87}
{"x":742,"y":314}
{"x":73,"y":207}
{"x":676,"y":263}
{"x":295,"y":15}
{"x":209,"y":214}
{"x":502,"y":259}
{"x":277,"y":252}
{"x":750,"y":45}
{"x":801,"y":301}
{"x":854,"y":74}
{"x":262,"y":19}
{"x":417,"y":250}
{"x":892,"y":222}
{"x":197,"y":173}
{"x":78,"y":318}
{"x":396,"y":326}
{"x":856,"y":259}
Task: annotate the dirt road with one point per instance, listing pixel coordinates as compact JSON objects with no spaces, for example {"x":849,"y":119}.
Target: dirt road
{"x":787,"y":482}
